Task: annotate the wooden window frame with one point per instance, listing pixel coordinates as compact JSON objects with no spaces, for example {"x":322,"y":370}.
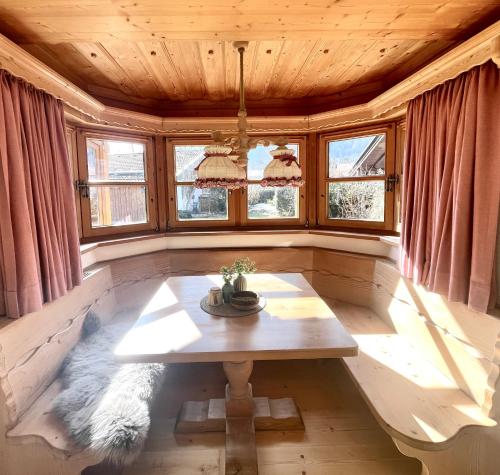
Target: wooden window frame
{"x":324,"y":179}
{"x":173,"y":221}
{"x":302,"y":217}
{"x":149,"y":181}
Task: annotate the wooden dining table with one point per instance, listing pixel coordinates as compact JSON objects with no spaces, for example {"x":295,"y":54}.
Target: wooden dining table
{"x":295,"y":324}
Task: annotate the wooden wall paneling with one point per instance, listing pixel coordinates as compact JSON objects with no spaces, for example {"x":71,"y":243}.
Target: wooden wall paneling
{"x":143,"y":275}
{"x":343,"y":276}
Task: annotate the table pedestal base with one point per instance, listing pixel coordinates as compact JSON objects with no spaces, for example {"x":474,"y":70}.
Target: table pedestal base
{"x":239,"y":415}
{"x":210,"y":415}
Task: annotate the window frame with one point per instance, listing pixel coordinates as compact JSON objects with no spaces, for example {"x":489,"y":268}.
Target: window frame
{"x":324,"y":179}
{"x":302,"y":191}
{"x":172,"y":183}
{"x":149,"y":182}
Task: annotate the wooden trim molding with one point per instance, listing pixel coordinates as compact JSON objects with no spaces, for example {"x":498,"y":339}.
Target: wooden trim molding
{"x":83,"y":108}
{"x":473,"y":52}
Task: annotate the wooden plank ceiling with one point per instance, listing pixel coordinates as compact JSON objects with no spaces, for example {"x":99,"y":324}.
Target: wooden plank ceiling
{"x":177,"y":57}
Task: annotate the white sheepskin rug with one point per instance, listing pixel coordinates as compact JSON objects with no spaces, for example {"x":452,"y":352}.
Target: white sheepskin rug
{"x":105,"y":404}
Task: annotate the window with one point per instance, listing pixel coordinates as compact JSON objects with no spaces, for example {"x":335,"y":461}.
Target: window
{"x":190,"y":206}
{"x":214,"y":207}
{"x":266,"y":205}
{"x":357,"y":179}
{"x":116,"y":194}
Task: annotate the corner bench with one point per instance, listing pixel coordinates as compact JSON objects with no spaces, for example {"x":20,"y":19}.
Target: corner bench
{"x":32,"y":440}
{"x":426,"y":413}
{"x":428,"y":368}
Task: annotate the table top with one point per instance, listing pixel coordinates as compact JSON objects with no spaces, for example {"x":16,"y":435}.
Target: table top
{"x":295,"y":324}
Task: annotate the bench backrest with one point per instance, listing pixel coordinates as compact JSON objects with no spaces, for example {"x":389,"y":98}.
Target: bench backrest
{"x":138,"y":277}
{"x":460,"y":342}
{"x":33,"y":347}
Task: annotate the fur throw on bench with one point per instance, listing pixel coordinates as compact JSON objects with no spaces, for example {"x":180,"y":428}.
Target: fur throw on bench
{"x":105,"y":404}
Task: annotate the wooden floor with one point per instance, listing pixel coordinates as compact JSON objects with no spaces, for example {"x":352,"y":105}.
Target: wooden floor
{"x":341,"y":436}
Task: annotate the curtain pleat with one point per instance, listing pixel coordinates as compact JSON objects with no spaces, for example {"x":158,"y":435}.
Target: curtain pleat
{"x":39,"y":247}
{"x":451,"y":187}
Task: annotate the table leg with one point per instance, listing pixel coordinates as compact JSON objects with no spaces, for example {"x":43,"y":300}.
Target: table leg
{"x":241,"y":453}
{"x":239,"y":415}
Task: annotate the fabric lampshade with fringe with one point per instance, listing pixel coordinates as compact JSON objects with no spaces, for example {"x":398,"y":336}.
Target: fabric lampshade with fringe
{"x":283,"y":170}
{"x":218,"y":170}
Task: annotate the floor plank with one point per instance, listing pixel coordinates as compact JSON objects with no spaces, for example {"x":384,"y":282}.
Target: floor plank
{"x":341,"y":436}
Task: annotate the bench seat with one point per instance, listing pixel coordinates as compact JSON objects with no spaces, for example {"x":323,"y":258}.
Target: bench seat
{"x":40,"y":423}
{"x":411,"y":398}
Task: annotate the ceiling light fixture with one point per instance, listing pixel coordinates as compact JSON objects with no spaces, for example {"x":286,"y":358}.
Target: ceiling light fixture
{"x":225,"y":162}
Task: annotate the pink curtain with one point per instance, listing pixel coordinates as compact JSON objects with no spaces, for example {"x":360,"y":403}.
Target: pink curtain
{"x":451,"y":189}
{"x":39,"y":247}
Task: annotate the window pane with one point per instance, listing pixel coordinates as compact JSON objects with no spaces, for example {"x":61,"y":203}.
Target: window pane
{"x":194,"y":203}
{"x":117,"y":205}
{"x":273,"y":202}
{"x":357,"y":156}
{"x":115,"y":160}
{"x":360,"y":200}
{"x":187,"y":158}
{"x":259,"y":157}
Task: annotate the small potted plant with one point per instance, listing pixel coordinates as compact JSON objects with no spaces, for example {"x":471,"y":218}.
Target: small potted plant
{"x":242,"y":266}
{"x":227,"y":288}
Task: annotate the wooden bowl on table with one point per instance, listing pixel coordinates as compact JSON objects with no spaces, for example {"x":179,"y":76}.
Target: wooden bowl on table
{"x":245,"y":300}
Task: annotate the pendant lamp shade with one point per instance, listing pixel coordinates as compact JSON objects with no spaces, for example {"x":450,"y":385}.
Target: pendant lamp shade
{"x":217,"y":170}
{"x":283,"y":169}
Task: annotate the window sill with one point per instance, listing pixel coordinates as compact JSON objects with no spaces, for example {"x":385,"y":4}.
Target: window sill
{"x":368,"y":244}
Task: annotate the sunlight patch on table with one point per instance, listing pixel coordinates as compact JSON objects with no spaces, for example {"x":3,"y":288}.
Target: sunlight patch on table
{"x":162,"y":299}
{"x":298,"y":308}
{"x":170,"y":333}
